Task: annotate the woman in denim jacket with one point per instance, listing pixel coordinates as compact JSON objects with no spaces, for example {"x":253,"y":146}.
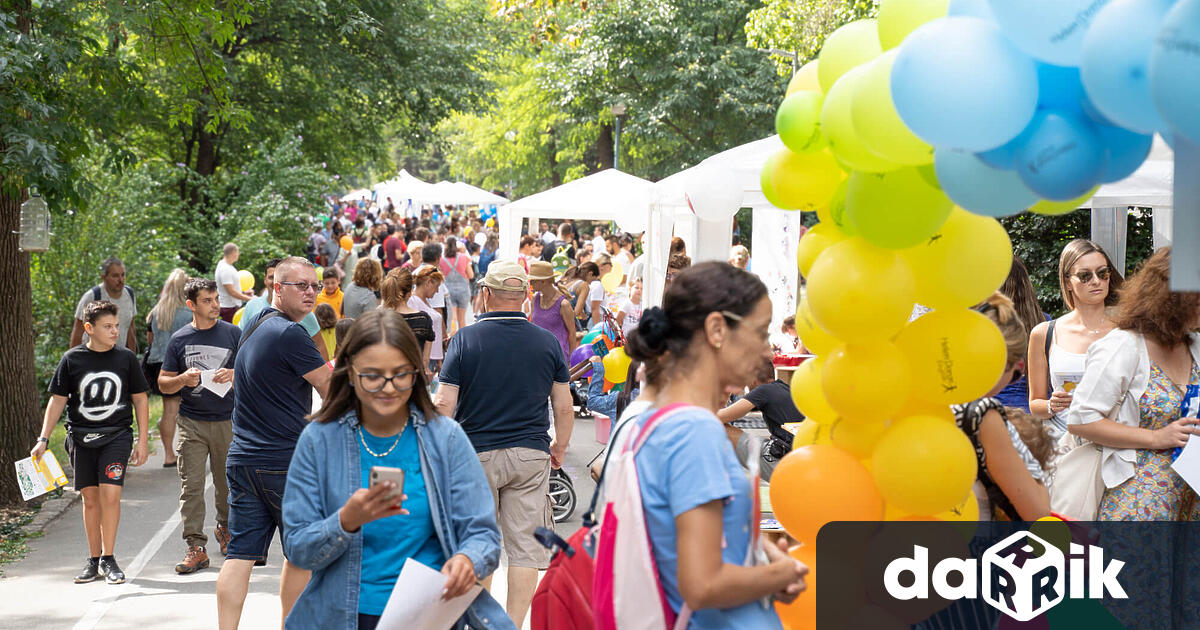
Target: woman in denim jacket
{"x":355,"y":540}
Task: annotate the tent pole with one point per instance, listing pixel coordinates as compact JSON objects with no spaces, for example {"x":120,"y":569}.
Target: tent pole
{"x":1185,"y":261}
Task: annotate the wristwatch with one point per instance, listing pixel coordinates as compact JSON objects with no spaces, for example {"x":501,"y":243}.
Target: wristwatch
{"x":42,"y":439}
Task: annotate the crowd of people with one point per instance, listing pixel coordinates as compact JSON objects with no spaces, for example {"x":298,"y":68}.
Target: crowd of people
{"x":432,"y":357}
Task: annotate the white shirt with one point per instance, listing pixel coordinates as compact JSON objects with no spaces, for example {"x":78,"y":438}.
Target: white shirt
{"x":227,"y":274}
{"x":598,"y":245}
{"x":549,"y":237}
{"x":626,"y":260}
{"x":633,"y":315}
{"x":126,"y":310}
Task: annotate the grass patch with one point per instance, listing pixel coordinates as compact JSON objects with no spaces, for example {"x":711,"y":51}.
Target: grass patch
{"x":12,"y":539}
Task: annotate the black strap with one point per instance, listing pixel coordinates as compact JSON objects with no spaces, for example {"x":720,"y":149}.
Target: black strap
{"x":255,"y":327}
{"x":1049,"y":342}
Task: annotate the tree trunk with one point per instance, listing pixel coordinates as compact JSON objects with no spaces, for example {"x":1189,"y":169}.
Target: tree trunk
{"x":19,"y":417}
{"x":604,"y":146}
{"x":555,"y":176}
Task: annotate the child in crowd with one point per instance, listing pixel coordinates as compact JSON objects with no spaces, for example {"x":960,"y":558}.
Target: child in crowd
{"x":629,"y":313}
{"x":102,"y":387}
{"x":327,"y":320}
{"x":339,"y":333}
{"x":331,"y":294}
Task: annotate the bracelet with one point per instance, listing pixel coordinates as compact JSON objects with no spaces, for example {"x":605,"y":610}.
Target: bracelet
{"x":42,"y":439}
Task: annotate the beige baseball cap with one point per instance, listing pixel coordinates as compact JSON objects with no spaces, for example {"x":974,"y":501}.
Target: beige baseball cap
{"x":501,"y":271}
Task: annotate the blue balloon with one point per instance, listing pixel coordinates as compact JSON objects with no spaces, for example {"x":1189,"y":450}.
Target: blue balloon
{"x":959,"y":83}
{"x":1175,"y":69}
{"x":1048,"y":30}
{"x":1003,"y":157}
{"x":1062,"y":157}
{"x":1059,"y":87}
{"x":1116,"y":62}
{"x":970,"y":8}
{"x":1126,"y":151}
{"x":979,"y":188}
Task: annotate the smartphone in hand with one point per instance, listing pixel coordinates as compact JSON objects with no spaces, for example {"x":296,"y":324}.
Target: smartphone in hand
{"x":382,"y":474}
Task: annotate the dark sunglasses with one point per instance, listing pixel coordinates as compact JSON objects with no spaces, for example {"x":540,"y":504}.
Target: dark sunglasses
{"x":1086,"y":276}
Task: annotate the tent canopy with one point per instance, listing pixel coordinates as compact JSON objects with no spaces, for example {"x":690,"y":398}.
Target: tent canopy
{"x":463,"y":194}
{"x":608,"y":195}
{"x":355,"y":195}
{"x":1151,"y":186}
{"x":404,"y":188}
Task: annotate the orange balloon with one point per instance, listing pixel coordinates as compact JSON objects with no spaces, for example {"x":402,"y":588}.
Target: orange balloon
{"x":802,"y":613}
{"x":346,"y":242}
{"x":814,"y":485}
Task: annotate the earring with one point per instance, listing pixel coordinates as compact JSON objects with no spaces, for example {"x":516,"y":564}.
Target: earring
{"x":718,"y":345}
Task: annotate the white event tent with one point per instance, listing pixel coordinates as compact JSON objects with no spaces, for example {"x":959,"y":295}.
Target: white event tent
{"x":1151,"y":186}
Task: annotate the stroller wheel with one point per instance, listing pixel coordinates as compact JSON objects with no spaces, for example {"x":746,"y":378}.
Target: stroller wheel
{"x":562,"y":495}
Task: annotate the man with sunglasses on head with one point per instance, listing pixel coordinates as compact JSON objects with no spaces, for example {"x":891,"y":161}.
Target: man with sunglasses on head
{"x":276,"y":369}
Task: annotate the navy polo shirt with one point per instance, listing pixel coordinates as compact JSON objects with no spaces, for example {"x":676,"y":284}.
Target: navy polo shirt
{"x":504,"y":367}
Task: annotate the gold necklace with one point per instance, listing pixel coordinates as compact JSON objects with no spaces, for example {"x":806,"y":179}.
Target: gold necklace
{"x":373,"y":453}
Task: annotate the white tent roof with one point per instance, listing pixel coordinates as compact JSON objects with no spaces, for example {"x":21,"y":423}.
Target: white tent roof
{"x":464,"y":194}
{"x":1151,"y":186}
{"x":404,"y":187}
{"x":355,"y":195}
{"x":745,"y":161}
{"x":608,"y":195}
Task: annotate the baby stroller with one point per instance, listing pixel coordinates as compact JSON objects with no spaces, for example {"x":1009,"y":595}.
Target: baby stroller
{"x":562,"y":494}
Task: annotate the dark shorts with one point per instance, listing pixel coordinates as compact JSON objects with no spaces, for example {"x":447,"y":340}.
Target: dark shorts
{"x":105,"y":463}
{"x":255,"y":510}
{"x":227,"y":313}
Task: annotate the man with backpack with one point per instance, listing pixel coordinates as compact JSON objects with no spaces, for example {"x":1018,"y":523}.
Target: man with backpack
{"x":112,"y":288}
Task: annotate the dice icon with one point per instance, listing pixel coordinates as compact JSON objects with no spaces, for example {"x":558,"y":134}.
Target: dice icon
{"x":1023,"y":576}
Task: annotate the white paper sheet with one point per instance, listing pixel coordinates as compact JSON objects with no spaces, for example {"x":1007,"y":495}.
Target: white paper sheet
{"x":416,"y":602}
{"x":1188,"y":463}
{"x":207,"y":382}
{"x":38,"y":478}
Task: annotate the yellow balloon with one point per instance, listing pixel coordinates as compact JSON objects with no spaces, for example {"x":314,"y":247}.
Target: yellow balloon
{"x":817,"y":239}
{"x":860,"y":293}
{"x":835,"y":212}
{"x":805,"y":181}
{"x":876,"y":122}
{"x":1054,"y":208}
{"x":837,"y":124}
{"x":923,"y":465}
{"x":865,"y":384}
{"x":1054,"y":531}
{"x":857,"y":438}
{"x":811,"y":433}
{"x":954,"y":355}
{"x":237,"y":316}
{"x":898,"y":18}
{"x":811,"y":334}
{"x":898,"y":209}
{"x":917,"y":407}
{"x":963,"y":263}
{"x":246,"y":279}
{"x":611,"y":280}
{"x":851,"y":45}
{"x":966,"y":510}
{"x":806,"y":392}
{"x":805,"y":79}
{"x":616,"y":366}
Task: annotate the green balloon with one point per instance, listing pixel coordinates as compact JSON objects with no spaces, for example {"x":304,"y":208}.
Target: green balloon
{"x":768,"y":186}
{"x":838,"y":126}
{"x":898,"y":18}
{"x":851,"y":45}
{"x":590,"y":337}
{"x":876,"y":121}
{"x":798,"y":122}
{"x":895,"y":210}
{"x":836,"y":213}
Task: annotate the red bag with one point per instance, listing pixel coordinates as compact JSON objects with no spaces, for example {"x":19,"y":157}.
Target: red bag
{"x":563,"y":600}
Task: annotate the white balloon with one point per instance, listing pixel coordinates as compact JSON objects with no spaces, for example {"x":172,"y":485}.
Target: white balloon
{"x":714,"y":193}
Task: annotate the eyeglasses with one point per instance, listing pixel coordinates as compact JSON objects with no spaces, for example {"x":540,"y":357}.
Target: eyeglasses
{"x":302,"y":286}
{"x":1086,"y":276}
{"x":375,"y":383}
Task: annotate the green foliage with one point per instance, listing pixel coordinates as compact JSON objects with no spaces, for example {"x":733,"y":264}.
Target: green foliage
{"x":801,"y":26}
{"x":1038,"y":241}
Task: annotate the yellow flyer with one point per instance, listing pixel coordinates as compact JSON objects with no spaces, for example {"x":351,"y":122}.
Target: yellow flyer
{"x":39,"y":477}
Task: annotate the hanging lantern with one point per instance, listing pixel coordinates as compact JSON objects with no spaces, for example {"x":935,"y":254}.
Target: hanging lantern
{"x":35,"y":224}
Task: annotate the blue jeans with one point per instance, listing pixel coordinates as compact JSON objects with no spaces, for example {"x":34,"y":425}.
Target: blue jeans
{"x":255,"y":510}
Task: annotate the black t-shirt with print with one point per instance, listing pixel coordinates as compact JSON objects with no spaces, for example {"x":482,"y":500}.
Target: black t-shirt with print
{"x":99,"y":387}
{"x":209,"y":349}
{"x":774,"y":400}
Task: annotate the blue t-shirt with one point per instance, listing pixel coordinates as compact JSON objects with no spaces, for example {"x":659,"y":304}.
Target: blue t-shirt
{"x":1015,"y":394}
{"x":687,"y":462}
{"x":183,"y":317}
{"x":252,"y":308}
{"x":271,"y":397}
{"x":388,"y":542}
{"x":504,"y":367}
{"x":209,"y":349}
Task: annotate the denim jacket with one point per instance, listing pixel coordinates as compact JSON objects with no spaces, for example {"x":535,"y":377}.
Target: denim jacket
{"x":325,"y":471}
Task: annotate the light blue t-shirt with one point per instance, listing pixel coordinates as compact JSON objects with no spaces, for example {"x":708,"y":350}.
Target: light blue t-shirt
{"x":252,"y":308}
{"x":687,"y":462}
{"x":388,"y":542}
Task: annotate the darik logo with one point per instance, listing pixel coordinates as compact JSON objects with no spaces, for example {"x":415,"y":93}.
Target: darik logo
{"x":1023,"y":576}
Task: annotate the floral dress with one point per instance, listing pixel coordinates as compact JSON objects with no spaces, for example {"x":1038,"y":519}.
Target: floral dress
{"x":1155,"y":492}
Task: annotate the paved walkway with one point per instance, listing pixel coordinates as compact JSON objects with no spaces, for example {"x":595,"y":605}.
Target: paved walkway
{"x":37,"y":592}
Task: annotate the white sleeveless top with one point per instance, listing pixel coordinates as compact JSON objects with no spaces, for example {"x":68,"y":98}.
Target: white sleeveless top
{"x":1065,"y":367}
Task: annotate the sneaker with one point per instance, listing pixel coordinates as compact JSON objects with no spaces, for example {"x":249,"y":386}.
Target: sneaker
{"x":196,"y":559}
{"x":90,"y":571}
{"x":222,"y":536}
{"x":111,"y":572}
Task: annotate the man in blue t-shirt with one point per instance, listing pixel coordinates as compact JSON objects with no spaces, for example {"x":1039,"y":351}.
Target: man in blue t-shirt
{"x":276,"y":369}
{"x":199,"y":365}
{"x":252,"y":308}
{"x":503,"y":412}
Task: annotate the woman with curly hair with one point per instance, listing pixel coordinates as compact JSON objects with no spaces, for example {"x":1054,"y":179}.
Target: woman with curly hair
{"x":1138,"y":395}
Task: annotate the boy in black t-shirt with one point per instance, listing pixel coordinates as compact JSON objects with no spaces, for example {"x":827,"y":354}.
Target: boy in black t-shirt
{"x":101,"y":386}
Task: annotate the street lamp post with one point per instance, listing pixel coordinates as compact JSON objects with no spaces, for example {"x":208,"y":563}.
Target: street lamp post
{"x":511,"y":136}
{"x":618,"y":112}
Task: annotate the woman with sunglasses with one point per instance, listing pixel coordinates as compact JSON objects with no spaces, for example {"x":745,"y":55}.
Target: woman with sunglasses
{"x":1009,"y":485}
{"x":355,"y":536}
{"x":1058,"y":348}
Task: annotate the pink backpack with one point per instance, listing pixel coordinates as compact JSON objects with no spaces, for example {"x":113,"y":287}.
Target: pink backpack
{"x":626,"y":591}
